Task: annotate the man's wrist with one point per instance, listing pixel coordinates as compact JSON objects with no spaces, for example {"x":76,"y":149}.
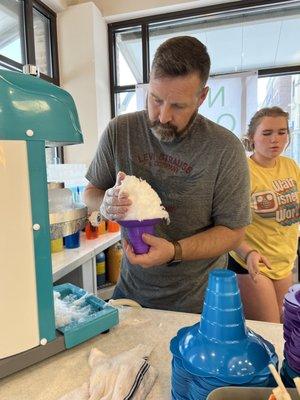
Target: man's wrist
{"x":177,"y":258}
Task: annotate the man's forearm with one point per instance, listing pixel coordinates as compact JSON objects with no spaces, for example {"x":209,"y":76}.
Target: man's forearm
{"x":93,"y":197}
{"x":211,"y":243}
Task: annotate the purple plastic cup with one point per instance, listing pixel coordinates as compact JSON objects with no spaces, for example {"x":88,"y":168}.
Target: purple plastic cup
{"x":293,"y":297}
{"x":135,"y":229}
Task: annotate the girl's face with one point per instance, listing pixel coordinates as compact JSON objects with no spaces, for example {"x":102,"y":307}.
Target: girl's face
{"x":270,"y":138}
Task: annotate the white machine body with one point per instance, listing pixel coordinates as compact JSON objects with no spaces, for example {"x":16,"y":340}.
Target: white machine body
{"x":18,"y":298}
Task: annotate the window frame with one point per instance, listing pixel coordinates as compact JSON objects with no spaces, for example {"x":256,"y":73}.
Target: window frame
{"x":29,"y":56}
{"x":144,"y":23}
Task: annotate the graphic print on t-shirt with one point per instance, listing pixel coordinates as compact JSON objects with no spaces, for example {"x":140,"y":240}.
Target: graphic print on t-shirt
{"x":164,"y":161}
{"x":281,"y":204}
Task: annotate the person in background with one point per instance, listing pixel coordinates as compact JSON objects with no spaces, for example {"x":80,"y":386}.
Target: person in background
{"x":265,"y":259}
{"x":199,"y":170}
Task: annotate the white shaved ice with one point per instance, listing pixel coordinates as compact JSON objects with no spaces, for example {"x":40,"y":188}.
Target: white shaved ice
{"x":146,"y":203}
{"x":70,"y":309}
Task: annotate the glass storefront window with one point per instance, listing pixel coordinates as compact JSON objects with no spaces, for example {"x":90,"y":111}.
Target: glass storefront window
{"x":129,"y":56}
{"x":284,"y":91}
{"x":42,"y":42}
{"x":232,"y":40}
{"x":125,"y":102}
{"x":11,"y":30}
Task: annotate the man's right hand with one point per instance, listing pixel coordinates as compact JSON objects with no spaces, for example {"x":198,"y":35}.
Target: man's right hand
{"x":115,"y":206}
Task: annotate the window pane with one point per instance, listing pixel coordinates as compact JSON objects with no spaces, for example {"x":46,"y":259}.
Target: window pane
{"x":284,"y":91}
{"x":129,"y":56}
{"x":232,"y":40}
{"x":42,"y":43}
{"x":125,"y":102}
{"x":11,"y":30}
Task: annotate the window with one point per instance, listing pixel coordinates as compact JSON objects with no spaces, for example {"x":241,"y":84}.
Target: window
{"x":28,"y":36}
{"x":42,"y":42}
{"x":232,"y":39}
{"x":231,"y":32}
{"x":284,"y":91}
{"x":12,"y":36}
{"x":129,"y":56}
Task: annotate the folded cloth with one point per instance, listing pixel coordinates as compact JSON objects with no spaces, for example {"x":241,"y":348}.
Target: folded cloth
{"x":127,"y":376}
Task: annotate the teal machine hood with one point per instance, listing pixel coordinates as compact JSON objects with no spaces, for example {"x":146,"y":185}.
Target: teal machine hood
{"x":33,"y":114}
{"x":30,"y":103}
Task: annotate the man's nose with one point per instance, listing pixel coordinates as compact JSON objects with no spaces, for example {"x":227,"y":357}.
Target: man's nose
{"x":165,"y":114}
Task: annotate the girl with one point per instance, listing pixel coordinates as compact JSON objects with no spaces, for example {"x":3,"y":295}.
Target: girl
{"x":264,"y":261}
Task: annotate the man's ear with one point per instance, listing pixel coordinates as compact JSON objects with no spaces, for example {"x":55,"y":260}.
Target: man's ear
{"x":203,"y":95}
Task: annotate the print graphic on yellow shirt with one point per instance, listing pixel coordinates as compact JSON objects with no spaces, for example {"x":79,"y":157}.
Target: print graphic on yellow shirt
{"x":281,"y":204}
{"x":275,"y":215}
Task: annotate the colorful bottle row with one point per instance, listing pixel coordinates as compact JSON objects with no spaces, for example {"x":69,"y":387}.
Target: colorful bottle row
{"x":108,"y":264}
{"x":92,"y":232}
{"x":69,"y":242}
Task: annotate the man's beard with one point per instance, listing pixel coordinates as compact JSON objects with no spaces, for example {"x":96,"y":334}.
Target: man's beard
{"x":168,"y":133}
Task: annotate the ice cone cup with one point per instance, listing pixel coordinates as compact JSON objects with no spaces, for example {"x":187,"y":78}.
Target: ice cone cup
{"x":135,"y":230}
{"x":222,"y":316}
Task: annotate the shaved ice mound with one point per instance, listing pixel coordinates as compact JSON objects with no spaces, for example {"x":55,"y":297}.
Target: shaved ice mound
{"x":146,"y":204}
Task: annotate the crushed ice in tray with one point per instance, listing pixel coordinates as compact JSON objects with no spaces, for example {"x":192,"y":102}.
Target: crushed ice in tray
{"x":71,"y":309}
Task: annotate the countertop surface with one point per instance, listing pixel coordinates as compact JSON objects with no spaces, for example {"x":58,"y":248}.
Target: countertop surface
{"x":50,"y":379}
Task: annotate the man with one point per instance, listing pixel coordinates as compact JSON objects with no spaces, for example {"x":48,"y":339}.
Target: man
{"x":198,"y":169}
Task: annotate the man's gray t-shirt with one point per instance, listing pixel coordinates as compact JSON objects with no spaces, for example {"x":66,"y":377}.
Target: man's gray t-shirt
{"x":202,"y":180}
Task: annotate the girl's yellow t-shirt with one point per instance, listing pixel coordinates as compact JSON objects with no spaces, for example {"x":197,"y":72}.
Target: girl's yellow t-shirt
{"x":275,"y":215}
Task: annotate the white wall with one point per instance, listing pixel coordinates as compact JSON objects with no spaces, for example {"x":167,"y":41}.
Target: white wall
{"x":84,"y":73}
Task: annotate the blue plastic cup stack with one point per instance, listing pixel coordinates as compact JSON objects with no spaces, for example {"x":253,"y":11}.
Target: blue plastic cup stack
{"x":219,"y":350}
{"x":291,"y":332}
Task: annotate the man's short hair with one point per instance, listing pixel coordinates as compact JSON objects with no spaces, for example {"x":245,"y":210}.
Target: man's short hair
{"x":181,"y":56}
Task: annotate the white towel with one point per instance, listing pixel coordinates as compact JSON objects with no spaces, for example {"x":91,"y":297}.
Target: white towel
{"x":127,"y":376}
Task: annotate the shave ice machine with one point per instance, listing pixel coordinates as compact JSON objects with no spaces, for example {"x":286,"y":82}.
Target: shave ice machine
{"x":33,"y":114}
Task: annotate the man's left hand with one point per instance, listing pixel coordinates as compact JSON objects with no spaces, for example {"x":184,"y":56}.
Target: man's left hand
{"x":161,"y":251}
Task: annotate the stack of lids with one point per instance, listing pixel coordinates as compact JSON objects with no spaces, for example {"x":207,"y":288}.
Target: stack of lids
{"x":219,"y":350}
{"x":291,"y":333}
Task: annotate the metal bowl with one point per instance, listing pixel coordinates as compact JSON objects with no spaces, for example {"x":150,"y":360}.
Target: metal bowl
{"x":68,"y":222}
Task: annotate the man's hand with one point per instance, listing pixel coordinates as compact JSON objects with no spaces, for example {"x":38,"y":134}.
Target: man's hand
{"x":253,"y":261}
{"x":161,"y":251}
{"x":115,"y":206}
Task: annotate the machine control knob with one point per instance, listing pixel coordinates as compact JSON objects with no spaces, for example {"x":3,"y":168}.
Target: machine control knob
{"x":36,"y":227}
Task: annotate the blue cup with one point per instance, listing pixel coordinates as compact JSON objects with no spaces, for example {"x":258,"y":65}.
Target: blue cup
{"x":222,"y":316}
{"x":72,"y":241}
{"x":222,"y":282}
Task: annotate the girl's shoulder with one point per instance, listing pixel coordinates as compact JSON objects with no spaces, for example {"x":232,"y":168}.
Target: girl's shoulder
{"x":288,"y":162}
